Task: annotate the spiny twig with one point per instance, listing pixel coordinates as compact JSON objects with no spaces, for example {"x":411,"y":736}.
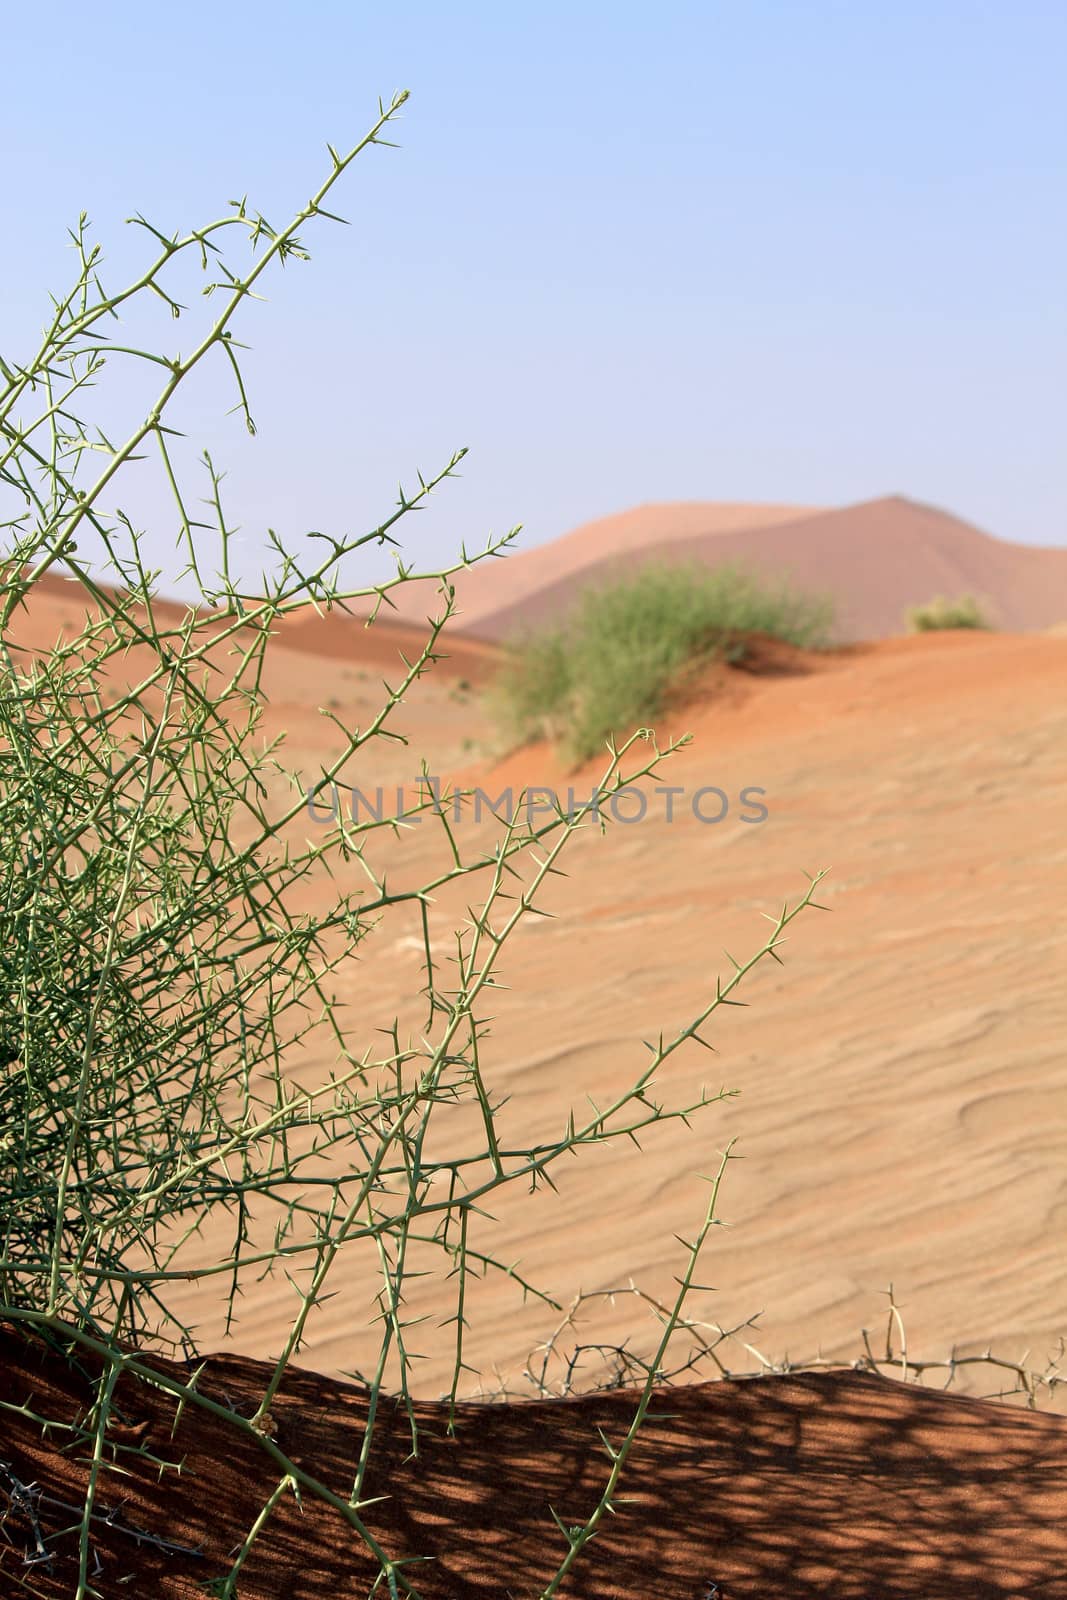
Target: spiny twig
{"x":25,"y":1498}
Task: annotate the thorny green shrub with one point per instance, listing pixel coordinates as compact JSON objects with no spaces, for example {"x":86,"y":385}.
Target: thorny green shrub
{"x":154,"y":979}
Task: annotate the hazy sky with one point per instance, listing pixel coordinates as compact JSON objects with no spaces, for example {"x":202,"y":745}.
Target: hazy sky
{"x":803,"y":251}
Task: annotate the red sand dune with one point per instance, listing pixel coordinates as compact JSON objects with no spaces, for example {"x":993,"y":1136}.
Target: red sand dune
{"x":333,"y":660}
{"x":384,"y":643}
{"x":60,"y":604}
{"x":843,"y":1486}
{"x":876,"y":559}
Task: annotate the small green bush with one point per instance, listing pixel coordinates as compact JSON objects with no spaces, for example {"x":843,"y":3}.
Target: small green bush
{"x":610,"y":665}
{"x":942,"y":613}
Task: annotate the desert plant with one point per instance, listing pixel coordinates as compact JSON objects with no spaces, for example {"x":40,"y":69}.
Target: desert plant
{"x":943,"y":613}
{"x":154,"y":980}
{"x":610,"y":664}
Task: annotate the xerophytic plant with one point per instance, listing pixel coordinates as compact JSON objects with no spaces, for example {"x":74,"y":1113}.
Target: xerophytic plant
{"x":940,"y":612}
{"x":154,"y":978}
{"x":625,"y":645}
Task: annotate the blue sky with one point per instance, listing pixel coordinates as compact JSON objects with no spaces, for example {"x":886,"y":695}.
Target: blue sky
{"x":789,"y":250}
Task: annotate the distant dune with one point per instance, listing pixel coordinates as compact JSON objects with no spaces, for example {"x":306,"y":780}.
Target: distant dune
{"x":876,"y":559}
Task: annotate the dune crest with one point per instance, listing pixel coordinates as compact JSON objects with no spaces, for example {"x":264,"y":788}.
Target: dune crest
{"x":876,"y":559}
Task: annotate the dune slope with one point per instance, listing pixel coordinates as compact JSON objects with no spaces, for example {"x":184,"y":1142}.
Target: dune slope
{"x":843,"y":1485}
{"x":876,"y":559}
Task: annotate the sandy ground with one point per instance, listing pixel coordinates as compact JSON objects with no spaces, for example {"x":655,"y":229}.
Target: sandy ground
{"x":838,"y":1484}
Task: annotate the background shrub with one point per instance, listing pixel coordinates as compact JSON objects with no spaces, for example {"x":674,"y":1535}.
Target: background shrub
{"x":943,"y":613}
{"x":610,"y":665}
